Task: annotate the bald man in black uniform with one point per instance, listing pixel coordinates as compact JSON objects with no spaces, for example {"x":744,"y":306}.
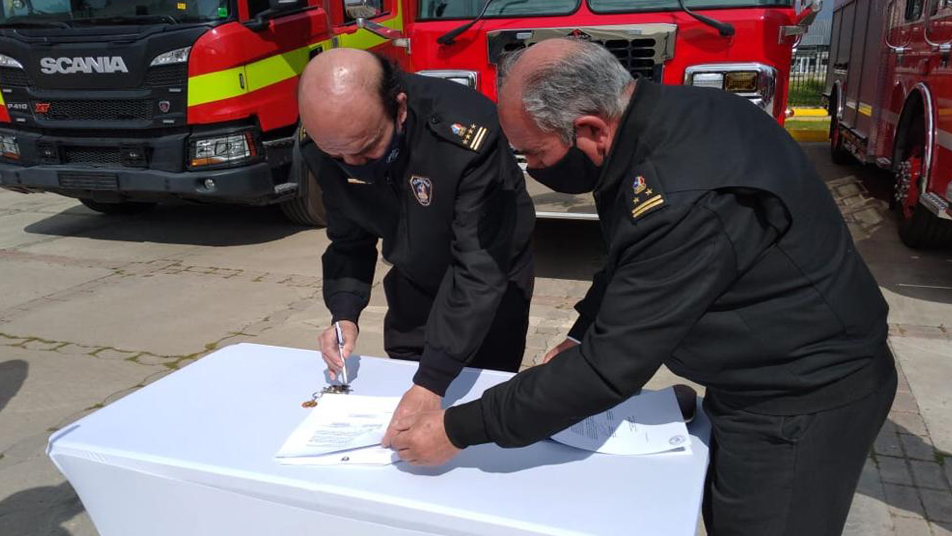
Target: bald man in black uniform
{"x":420,"y":165}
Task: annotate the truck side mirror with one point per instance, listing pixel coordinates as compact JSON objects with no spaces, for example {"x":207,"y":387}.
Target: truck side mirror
{"x":808,"y":15}
{"x":803,"y":21}
{"x":362,"y":9}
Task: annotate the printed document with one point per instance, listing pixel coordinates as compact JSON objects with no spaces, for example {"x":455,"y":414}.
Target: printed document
{"x":647,"y":423}
{"x":342,"y":429}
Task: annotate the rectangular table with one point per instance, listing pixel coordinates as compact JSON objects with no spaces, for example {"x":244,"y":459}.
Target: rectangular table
{"x":191,"y":454}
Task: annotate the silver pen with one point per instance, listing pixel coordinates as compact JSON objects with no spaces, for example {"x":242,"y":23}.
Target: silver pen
{"x":340,"y":350}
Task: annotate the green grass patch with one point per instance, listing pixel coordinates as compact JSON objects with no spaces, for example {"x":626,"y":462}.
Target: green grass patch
{"x":808,"y":92}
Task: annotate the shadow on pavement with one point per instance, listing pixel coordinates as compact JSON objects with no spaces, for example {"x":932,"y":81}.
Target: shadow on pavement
{"x":919,"y":274}
{"x":184,"y":223}
{"x":39,"y":511}
{"x":922,"y":275}
{"x":908,"y":502}
{"x":12,"y":375}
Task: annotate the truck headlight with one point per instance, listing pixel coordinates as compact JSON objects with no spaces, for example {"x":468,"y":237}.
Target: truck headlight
{"x":467,"y":78}
{"x":755,"y":81}
{"x":220,"y":150}
{"x":179,"y":55}
{"x":9,"y":148}
{"x":7,"y":61}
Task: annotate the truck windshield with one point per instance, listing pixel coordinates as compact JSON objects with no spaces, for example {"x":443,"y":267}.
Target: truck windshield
{"x":468,"y":9}
{"x":40,"y":12}
{"x":629,"y":6}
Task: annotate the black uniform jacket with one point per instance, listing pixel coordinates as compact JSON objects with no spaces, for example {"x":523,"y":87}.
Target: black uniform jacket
{"x":728,"y":261}
{"x":454,"y":218}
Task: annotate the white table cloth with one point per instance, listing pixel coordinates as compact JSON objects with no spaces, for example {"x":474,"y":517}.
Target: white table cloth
{"x":191,"y":454}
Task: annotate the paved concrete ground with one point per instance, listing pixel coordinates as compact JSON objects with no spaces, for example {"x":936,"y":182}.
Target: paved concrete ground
{"x":94,"y":307}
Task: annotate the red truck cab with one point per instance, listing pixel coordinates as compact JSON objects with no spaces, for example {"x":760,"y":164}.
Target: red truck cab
{"x":655,"y":40}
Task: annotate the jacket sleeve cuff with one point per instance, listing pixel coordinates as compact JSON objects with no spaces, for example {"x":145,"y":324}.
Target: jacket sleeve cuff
{"x":345,"y":306}
{"x":437,"y":370}
{"x":579,"y":328}
{"x":464,"y":425}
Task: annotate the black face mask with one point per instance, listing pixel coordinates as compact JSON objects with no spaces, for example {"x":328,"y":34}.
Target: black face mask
{"x":574,"y":173}
{"x":376,"y":170}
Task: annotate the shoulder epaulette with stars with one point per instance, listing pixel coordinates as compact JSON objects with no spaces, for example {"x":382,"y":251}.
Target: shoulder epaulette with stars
{"x":645,"y":197}
{"x":468,"y":135}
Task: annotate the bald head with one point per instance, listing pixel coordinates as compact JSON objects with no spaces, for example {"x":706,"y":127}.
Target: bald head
{"x":348,"y":102}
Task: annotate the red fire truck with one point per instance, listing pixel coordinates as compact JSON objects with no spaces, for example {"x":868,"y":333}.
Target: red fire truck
{"x":125,"y":103}
{"x":890,"y":100}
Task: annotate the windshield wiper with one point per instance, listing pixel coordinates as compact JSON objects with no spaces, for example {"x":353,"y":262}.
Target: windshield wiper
{"x":724,"y":28}
{"x":33,"y":24}
{"x":450,"y":37}
{"x":128,"y":19}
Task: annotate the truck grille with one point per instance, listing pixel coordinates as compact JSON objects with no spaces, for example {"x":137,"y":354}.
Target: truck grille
{"x":641,"y":48}
{"x":95,"y":110}
{"x":167,"y":75}
{"x":11,"y":77}
{"x":92,"y":155}
{"x":76,"y":180}
{"x":637,"y":55}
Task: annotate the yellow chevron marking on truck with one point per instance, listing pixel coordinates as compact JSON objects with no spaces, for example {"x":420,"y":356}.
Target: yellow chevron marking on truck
{"x":237,"y":81}
{"x":865,"y":109}
{"x":218,"y":85}
{"x":279,"y":68}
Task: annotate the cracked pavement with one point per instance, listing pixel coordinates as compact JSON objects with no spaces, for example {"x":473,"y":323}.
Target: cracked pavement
{"x":93,"y":307}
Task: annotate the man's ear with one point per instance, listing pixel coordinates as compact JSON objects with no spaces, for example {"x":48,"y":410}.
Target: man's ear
{"x":592,"y":136}
{"x":401,"y":107}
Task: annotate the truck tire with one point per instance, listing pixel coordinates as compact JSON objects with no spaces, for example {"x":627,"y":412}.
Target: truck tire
{"x":126,"y":207}
{"x":838,"y":155}
{"x":924,"y":230}
{"x":308,"y":207}
{"x":918,"y":227}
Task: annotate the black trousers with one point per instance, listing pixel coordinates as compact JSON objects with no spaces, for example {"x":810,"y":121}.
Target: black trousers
{"x":789,"y":475}
{"x":408,"y":307}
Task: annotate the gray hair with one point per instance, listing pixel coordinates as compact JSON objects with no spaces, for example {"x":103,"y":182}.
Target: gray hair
{"x":587,"y":81}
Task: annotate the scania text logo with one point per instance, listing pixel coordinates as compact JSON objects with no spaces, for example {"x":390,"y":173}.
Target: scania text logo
{"x":88,"y":65}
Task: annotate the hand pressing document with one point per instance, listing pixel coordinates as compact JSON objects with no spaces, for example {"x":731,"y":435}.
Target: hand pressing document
{"x":342,"y":430}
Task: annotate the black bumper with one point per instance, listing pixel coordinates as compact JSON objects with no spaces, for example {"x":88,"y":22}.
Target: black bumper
{"x":251,"y":184}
